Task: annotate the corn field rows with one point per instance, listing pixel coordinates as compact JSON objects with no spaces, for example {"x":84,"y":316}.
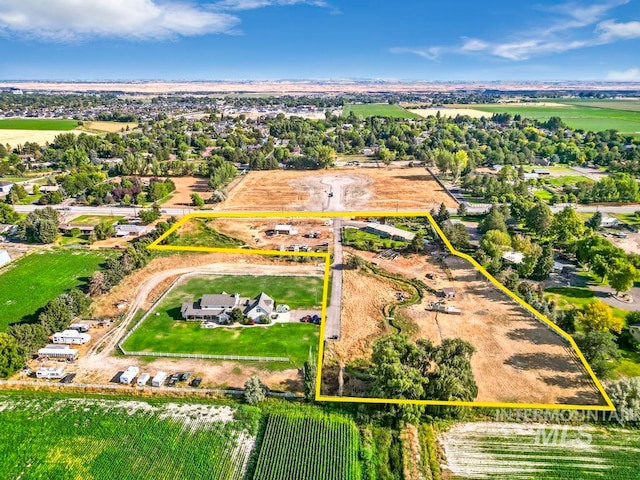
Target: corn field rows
{"x":303,"y":448}
{"x":37,"y":442}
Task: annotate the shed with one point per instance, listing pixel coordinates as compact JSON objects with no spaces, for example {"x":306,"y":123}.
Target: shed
{"x":448,"y":292}
{"x":283,"y":229}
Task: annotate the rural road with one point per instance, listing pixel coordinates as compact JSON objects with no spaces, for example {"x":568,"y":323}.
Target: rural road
{"x":332,"y":326}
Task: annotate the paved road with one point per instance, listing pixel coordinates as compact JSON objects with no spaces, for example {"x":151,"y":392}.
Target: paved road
{"x":115,"y":210}
{"x":332,"y":326}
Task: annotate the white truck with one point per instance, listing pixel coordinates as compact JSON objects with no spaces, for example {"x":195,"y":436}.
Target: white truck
{"x":129,"y":374}
{"x":50,"y":373}
{"x":159,"y":379}
{"x":143,"y":379}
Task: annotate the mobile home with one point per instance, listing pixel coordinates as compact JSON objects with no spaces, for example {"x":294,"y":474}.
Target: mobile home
{"x":143,"y":379}
{"x":129,"y":374}
{"x":49,"y":373}
{"x":159,"y":379}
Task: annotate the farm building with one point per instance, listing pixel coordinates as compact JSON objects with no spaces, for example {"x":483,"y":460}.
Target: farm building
{"x":53,"y":372}
{"x":448,"y":292}
{"x":543,"y":172}
{"x":71,"y":337}
{"x":129,"y":374}
{"x":609,"y":222}
{"x":634,"y":331}
{"x":60,"y":352}
{"x":218,"y":307}
{"x":4,"y":257}
{"x":84,"y":229}
{"x":387,"y":231}
{"x":5,"y":187}
{"x":124,"y":231}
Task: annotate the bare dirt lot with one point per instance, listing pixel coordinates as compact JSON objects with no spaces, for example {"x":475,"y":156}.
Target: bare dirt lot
{"x":518,"y":358}
{"x":353,"y":189}
{"x":185,"y":186}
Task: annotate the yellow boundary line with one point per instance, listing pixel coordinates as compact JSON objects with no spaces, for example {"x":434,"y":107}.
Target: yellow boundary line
{"x":156,"y":245}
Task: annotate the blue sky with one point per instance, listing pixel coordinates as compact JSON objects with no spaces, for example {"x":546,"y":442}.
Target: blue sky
{"x":319,"y":39}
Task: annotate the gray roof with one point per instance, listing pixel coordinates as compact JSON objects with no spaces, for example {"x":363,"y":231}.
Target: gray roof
{"x":218,"y":300}
{"x":263,"y":301}
{"x":131,"y":228}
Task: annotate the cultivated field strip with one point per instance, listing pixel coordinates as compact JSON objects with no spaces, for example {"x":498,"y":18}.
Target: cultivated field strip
{"x":540,"y":451}
{"x":45,"y":437}
{"x":305,"y":448}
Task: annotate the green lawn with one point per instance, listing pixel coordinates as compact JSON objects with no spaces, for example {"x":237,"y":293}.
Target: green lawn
{"x":37,"y":124}
{"x":359,"y":239}
{"x":95,"y":219}
{"x":378,"y":110}
{"x":629,"y":218}
{"x":29,"y":199}
{"x":576,"y":116}
{"x":166,"y":332}
{"x":543,"y":194}
{"x":31,"y":282}
{"x":566,"y":180}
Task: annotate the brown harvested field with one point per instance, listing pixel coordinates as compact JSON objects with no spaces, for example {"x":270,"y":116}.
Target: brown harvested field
{"x":19,"y":137}
{"x":354,"y":189}
{"x":108,"y":127}
{"x":185,"y":186}
{"x":518,"y":358}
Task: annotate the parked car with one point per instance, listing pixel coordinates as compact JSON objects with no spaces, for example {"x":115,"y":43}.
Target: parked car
{"x":68,"y":378}
{"x":196,"y":382}
{"x":171,"y":382}
{"x":175,"y":376}
{"x":185,"y":376}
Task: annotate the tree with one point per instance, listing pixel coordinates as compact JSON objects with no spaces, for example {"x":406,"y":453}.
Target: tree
{"x":104,"y":230}
{"x":417,"y":244}
{"x":149,"y":216}
{"x":598,"y":316}
{"x":539,"y":219}
{"x":30,"y":336}
{"x":595,"y":221}
{"x":567,"y":226}
{"x":197,"y":200}
{"x":309,"y":374}
{"x":442,"y":215}
{"x":254,"y":391}
{"x":544,"y":265}
{"x":462,"y":209}
{"x":599,"y":348}
{"x":236,"y":316}
{"x":494,"y":220}
{"x":621,"y":275}
{"x":7,"y":214}
{"x":97,"y":284}
{"x":386,"y":156}
{"x":600,"y":266}
{"x":11,"y":355}
{"x":495,"y":242}
{"x":355,"y":262}
{"x":457,"y":234}
{"x":40,"y":226}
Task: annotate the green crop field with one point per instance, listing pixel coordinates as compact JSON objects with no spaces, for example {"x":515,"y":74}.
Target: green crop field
{"x":94,"y":219}
{"x":630,"y":105}
{"x":576,"y":116}
{"x":167,"y":332}
{"x":37,"y":124}
{"x":31,"y":282}
{"x":204,"y":235}
{"x":102,"y":439}
{"x":296,"y":446}
{"x":542,"y":451}
{"x":378,"y":110}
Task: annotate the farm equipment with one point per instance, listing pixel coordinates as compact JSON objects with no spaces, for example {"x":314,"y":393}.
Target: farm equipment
{"x":443,"y":307}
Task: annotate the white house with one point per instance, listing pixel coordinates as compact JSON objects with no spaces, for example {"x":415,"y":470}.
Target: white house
{"x":71,"y":337}
{"x":4,"y":257}
{"x":259,"y":306}
{"x":5,"y":187}
{"x":124,"y":231}
{"x":634,"y":330}
{"x":609,"y":222}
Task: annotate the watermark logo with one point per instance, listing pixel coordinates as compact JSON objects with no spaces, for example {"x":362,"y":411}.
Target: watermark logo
{"x":562,"y":436}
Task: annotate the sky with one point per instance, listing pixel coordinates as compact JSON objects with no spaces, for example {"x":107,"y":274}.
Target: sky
{"x":426,"y":40}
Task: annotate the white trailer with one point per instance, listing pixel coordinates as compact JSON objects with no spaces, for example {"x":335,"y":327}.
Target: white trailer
{"x":50,"y":373}
{"x":129,"y":374}
{"x":71,"y":337}
{"x":143,"y":379}
{"x":159,"y":379}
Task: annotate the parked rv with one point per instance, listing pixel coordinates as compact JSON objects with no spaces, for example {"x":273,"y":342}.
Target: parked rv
{"x":159,"y":379}
{"x":129,"y":374}
{"x":143,"y":379}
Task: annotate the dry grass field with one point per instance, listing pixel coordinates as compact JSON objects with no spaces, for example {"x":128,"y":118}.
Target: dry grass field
{"x":354,"y":189}
{"x":19,"y":137}
{"x":185,"y":186}
{"x":518,"y":358}
{"x":107,"y":127}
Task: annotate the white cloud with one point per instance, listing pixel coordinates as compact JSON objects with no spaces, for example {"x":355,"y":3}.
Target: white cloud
{"x":253,"y":4}
{"x":474,"y":45}
{"x":529,"y":48}
{"x":610,"y":30}
{"x":430,"y":53}
{"x":131,"y":19}
{"x":631,"y":75}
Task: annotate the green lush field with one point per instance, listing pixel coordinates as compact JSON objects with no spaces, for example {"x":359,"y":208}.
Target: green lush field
{"x":581,"y":117}
{"x":31,"y":282}
{"x":629,"y":105}
{"x":95,"y":219}
{"x":37,"y":124}
{"x":362,"y":240}
{"x":303,"y":448}
{"x":102,"y":439}
{"x":545,"y":452}
{"x":566,"y":180}
{"x":168,"y":333}
{"x":204,"y":235}
{"x":378,"y":110}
